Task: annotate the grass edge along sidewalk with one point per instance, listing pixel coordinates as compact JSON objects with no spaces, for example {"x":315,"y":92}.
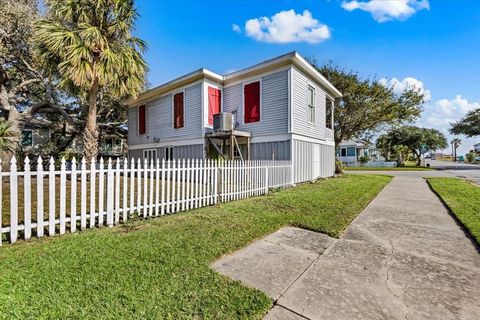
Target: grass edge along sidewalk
{"x":463,"y":200}
{"x":159,"y":268}
{"x":388,"y":169}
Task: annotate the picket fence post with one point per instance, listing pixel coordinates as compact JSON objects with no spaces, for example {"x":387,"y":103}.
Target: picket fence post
{"x":139,"y":185}
{"x":132,"y":187}
{"x":93,"y":177}
{"x":145,"y":185}
{"x":40,"y":223}
{"x":266,"y":179}
{"x":101,"y":191}
{"x":51,"y":198}
{"x":27,"y":197}
{"x":151,"y":170}
{"x":13,"y":199}
{"x":125,"y":188}
{"x":157,"y":186}
{"x":83,"y":195}
{"x":117,"y":191}
{"x":63,"y":202}
{"x":162,"y":203}
{"x":73,"y":197}
{"x":110,"y":195}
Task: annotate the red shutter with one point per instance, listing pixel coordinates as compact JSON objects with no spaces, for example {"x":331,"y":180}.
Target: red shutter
{"x":252,"y":102}
{"x":214,"y":103}
{"x":142,"y":120}
{"x":178,"y":110}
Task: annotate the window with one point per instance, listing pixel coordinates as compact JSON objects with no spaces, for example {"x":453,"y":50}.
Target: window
{"x":343,"y":152}
{"x":27,"y":138}
{"x":251,"y":96}
{"x":329,"y":113}
{"x":311,"y":104}
{"x":178,"y":120}
{"x":150,"y":155}
{"x":351,"y":152}
{"x":214,"y":103}
{"x":169,"y":153}
{"x":142,"y":119}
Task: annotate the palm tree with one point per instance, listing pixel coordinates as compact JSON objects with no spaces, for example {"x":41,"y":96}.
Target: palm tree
{"x":7,"y":136}
{"x":456,"y":142}
{"x":89,"y":45}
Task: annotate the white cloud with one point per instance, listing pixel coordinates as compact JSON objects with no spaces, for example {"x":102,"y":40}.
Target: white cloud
{"x":287,"y":27}
{"x":443,"y":112}
{"x":236,"y":28}
{"x":387,"y":10}
{"x":399,"y":86}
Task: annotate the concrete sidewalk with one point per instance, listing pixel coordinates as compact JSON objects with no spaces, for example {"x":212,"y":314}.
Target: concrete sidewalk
{"x":403,"y":257}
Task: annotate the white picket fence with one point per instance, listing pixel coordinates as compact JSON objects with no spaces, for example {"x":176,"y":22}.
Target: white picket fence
{"x":81,"y":196}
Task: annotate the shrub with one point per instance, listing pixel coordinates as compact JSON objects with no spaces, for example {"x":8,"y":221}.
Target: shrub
{"x":470,"y":157}
{"x":364,"y":159}
{"x":339,"y":166}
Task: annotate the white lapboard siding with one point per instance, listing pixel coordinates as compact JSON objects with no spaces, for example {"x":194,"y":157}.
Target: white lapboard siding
{"x":160,"y":118}
{"x":274,"y":104}
{"x":300,"y":123}
{"x":313,"y":160}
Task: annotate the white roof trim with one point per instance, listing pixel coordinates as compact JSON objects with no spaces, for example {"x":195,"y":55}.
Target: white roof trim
{"x":290,"y":58}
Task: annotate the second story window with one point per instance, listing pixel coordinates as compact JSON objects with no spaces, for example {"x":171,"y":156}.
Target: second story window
{"x":178,"y":117}
{"x":329,"y":113}
{"x":311,"y":104}
{"x":251,"y":97}
{"x":142,"y":119}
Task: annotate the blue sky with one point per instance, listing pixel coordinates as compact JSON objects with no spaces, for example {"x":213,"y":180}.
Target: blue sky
{"x":432,"y":44}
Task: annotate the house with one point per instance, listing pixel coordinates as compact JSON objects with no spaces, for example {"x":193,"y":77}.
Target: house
{"x":476,"y":147}
{"x":39,"y":136}
{"x":282,"y":109}
{"x":350,"y":152}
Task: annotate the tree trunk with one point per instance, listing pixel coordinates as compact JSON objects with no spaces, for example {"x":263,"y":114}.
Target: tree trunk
{"x":90,"y":134}
{"x":419,"y":159}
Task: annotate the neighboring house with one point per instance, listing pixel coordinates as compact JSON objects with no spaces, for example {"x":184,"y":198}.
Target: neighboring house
{"x":37,"y":136}
{"x":476,"y":147}
{"x":350,"y":152}
{"x":282,"y":110}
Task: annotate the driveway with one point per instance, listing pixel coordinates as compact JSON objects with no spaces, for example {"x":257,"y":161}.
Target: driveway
{"x":403,"y":257}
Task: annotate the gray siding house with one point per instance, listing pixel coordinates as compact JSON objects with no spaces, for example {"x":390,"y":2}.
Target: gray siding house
{"x":284,"y":104}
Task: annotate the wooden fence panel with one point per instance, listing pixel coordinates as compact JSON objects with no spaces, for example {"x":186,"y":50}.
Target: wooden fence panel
{"x":144,"y":188}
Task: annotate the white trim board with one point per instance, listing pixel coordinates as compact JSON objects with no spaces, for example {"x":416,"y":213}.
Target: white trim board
{"x":313,"y":140}
{"x":175,"y":143}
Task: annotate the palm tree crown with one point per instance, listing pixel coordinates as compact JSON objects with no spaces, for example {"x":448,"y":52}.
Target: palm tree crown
{"x":89,"y":44}
{"x":7,"y":141}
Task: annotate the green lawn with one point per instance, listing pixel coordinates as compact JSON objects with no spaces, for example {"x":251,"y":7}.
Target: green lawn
{"x":463,"y":199}
{"x":159,"y":268}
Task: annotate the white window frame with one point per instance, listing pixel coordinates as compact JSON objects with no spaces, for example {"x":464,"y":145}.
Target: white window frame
{"x":138,"y":120}
{"x":153,"y":153}
{"x":243,"y":101}
{"x":173,"y":109}
{"x":332,"y":104}
{"x":341,"y":149}
{"x":311,"y":108}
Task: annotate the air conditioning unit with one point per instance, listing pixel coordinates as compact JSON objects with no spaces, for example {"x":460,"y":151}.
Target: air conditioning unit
{"x":223,"y":121}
